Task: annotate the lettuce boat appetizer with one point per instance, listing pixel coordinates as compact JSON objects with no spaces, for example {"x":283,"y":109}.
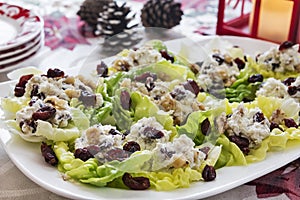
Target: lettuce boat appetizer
{"x":154,"y":120}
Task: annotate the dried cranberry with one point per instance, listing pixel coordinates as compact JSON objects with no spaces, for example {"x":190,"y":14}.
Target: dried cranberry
{"x":258,"y":117}
{"x":132,"y":146}
{"x":286,"y":45}
{"x":153,"y":133}
{"x":102,"y":69}
{"x":256,"y":78}
{"x":219,"y":58}
{"x":113,"y":132}
{"x":24,"y":79}
{"x":167,"y":56}
{"x":19,"y":90}
{"x":205,"y":150}
{"x":192,"y":86}
{"x":44,"y":113}
{"x":87,"y":98}
{"x":125,"y":100}
{"x":34,"y":91}
{"x":274,"y":125}
{"x":292,"y":90}
{"x":48,"y":154}
{"x":242,"y":142}
{"x":290,"y":123}
{"x":240,"y":63}
{"x":149,"y":84}
{"x":177,"y":94}
{"x":209,"y":173}
{"x":275,"y":66}
{"x":135,"y":183}
{"x":124,"y":66}
{"x":83,"y":154}
{"x":116,"y":154}
{"x":205,"y":127}
{"x":289,"y":81}
{"x":93,"y":149}
{"x":33,"y":125}
{"x":55,"y":73}
{"x":143,"y":77}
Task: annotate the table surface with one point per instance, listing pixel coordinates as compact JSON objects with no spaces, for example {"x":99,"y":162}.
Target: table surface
{"x":200,"y":18}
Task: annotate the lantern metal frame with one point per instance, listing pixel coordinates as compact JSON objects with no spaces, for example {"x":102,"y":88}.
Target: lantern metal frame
{"x":240,"y":26}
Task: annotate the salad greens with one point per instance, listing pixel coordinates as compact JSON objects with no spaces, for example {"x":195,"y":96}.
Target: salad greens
{"x":153,"y":121}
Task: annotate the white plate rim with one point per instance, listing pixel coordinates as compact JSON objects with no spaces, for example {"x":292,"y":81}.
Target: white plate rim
{"x":24,"y":55}
{"x":27,"y":46}
{"x":23,"y":17}
{"x":231,"y":175}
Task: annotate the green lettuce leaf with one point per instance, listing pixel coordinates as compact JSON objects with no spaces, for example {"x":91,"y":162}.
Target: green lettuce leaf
{"x":241,"y":89}
{"x":79,"y":119}
{"x":192,"y":127}
{"x":167,"y":71}
{"x":12,"y":105}
{"x":90,"y":172}
{"x":166,"y":181}
{"x":144,"y":107}
{"x":268,"y":73}
{"x":230,"y":155}
{"x":46,"y":130}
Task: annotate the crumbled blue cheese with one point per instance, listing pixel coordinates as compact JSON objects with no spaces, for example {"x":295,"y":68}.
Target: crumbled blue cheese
{"x":147,"y":132}
{"x":273,"y":88}
{"x":184,"y":103}
{"x":60,"y":119}
{"x":64,"y":88}
{"x":296,"y":84}
{"x":100,"y":136}
{"x":47,"y":86}
{"x":287,"y":60}
{"x":211,"y":72}
{"x":141,"y":57}
{"x":242,"y":123}
{"x":179,"y":107}
{"x":178,"y":153}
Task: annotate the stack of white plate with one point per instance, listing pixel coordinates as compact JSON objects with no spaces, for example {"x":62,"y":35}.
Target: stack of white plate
{"x":21,"y":35}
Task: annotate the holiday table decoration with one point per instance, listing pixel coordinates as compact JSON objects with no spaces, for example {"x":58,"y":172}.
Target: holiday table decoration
{"x":163,"y":14}
{"x":89,"y":11}
{"x":273,"y":20}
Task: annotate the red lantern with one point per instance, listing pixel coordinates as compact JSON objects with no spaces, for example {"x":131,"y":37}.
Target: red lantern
{"x":273,"y":20}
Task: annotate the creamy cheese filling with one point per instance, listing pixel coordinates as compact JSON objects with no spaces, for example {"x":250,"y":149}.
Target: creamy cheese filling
{"x":147,"y":132}
{"x":243,"y":123}
{"x":178,"y":153}
{"x":287,"y":60}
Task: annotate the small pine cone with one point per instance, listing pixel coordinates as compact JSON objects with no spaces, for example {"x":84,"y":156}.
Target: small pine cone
{"x":161,"y":13}
{"x":113,"y":23}
{"x":114,"y":19}
{"x":90,"y":9}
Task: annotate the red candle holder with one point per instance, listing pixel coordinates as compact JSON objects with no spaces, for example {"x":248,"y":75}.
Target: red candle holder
{"x":262,"y":21}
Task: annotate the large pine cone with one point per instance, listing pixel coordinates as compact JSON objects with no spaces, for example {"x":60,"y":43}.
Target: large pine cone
{"x":90,"y":9}
{"x":161,"y":13}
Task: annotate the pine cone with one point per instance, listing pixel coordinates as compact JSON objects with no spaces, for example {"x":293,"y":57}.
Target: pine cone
{"x":113,"y":24}
{"x":161,"y":13}
{"x":89,"y":11}
{"x":114,"y":19}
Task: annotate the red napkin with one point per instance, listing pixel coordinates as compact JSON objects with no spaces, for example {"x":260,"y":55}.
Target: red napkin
{"x":284,"y":180}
